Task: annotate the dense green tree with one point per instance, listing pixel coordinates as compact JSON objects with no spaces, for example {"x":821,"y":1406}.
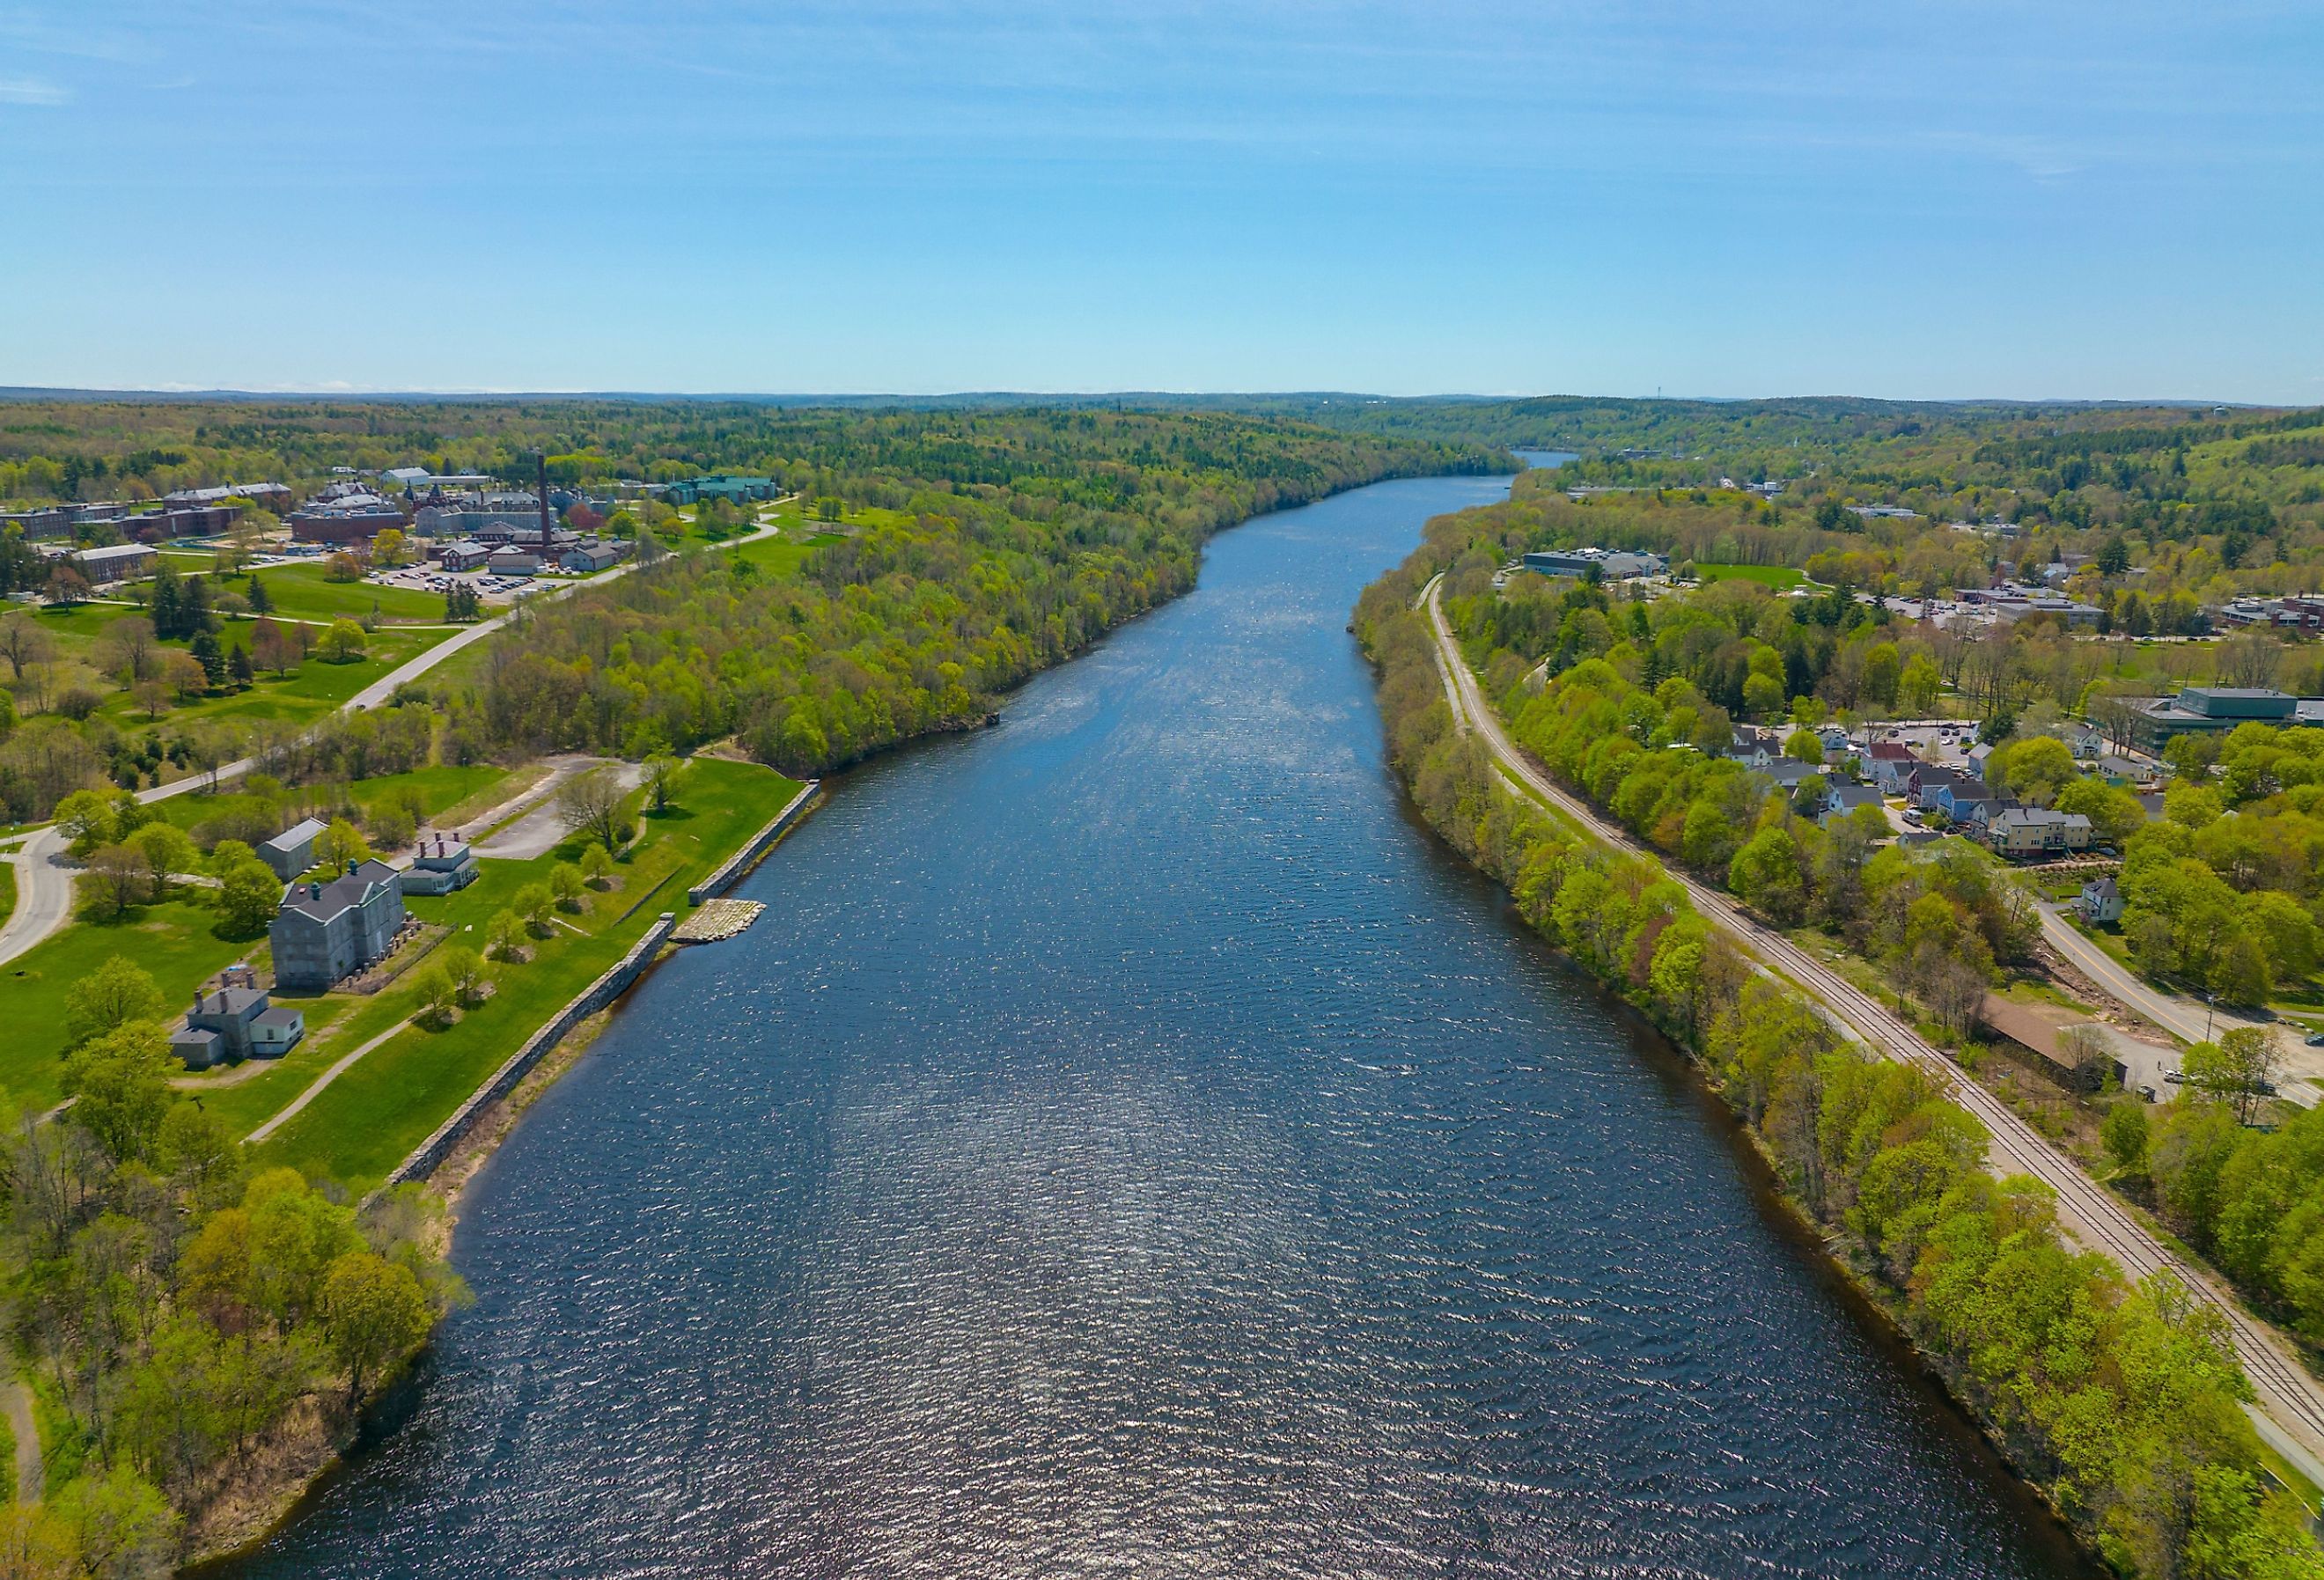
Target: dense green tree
{"x":117,"y":994}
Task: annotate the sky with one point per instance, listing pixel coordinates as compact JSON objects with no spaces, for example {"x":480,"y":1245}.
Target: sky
{"x":2119,"y":199}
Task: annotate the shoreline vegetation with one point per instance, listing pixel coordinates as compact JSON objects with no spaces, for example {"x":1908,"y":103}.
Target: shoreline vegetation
{"x":206,"y":1325}
{"x":2120,"y":1404}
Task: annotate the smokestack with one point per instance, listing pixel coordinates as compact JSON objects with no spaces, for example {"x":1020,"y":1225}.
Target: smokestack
{"x":544,"y":501}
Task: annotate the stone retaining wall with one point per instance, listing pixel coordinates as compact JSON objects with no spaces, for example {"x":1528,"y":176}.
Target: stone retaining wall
{"x":735,"y":865}
{"x":430,"y":1154}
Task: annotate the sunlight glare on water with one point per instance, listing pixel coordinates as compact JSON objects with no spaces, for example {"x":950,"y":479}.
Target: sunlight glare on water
{"x":1129,"y":1146}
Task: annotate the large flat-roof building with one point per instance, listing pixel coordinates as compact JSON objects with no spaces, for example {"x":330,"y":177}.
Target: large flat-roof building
{"x":1612,"y":564}
{"x":354,"y":518}
{"x":734,"y":490}
{"x":2157,"y":721}
{"x":114,"y":562}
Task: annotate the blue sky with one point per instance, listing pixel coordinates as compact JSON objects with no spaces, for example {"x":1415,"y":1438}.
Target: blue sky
{"x":2118,"y":199}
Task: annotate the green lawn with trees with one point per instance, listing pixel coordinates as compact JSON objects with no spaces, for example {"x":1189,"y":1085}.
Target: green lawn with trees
{"x":365,"y":1122}
{"x":176,"y":942}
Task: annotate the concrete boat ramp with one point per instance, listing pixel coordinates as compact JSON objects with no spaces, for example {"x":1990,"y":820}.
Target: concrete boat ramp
{"x":716,"y":921}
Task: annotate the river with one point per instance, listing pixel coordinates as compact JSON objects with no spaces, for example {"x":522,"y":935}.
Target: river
{"x":1130,"y":1144}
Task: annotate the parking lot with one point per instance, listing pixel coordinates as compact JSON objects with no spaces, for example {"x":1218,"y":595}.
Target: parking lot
{"x":431,"y":579}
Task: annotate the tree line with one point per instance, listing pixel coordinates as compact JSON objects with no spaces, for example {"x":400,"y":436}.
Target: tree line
{"x":2121,"y":1401}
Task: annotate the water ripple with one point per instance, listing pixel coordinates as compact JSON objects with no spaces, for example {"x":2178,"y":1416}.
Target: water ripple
{"x":1125,"y":1149}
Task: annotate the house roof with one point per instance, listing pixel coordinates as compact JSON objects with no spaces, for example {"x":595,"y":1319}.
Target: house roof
{"x":1855,"y":795}
{"x":111,"y":551}
{"x":231,"y":1000}
{"x":323,"y":901}
{"x":2038,"y":818}
{"x":306,"y":829}
{"x":280,"y":1016}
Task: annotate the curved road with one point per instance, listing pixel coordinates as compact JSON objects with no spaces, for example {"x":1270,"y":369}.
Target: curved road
{"x":45,"y":882}
{"x":2290,"y":1401}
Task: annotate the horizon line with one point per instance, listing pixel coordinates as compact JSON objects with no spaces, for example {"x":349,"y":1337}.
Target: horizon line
{"x":298,"y":392}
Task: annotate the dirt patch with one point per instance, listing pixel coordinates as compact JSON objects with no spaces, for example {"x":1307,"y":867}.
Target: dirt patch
{"x":245,"y":1497}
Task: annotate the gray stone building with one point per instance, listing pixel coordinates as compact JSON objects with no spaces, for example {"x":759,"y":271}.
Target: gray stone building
{"x":442,"y":863}
{"x":235,"y":1022}
{"x":328,"y":931}
{"x":292,"y":851}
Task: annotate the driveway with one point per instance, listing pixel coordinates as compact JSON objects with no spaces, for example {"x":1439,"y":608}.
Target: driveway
{"x":541,"y":830}
{"x":2189,"y":1019}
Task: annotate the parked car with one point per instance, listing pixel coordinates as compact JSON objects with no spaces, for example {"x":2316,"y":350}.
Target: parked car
{"x":2317,"y":1040}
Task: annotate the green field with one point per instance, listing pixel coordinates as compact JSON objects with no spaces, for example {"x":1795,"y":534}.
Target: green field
{"x":7,"y":889}
{"x":301,"y":591}
{"x":1778,"y":577}
{"x":306,"y":692}
{"x":438,"y":786}
{"x":367,"y":1119}
{"x":175,"y":941}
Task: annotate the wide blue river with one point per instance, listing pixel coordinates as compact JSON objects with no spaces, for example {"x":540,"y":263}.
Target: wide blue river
{"x":1130,"y":1145}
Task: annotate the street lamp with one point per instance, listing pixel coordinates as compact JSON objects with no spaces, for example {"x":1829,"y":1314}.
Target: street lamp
{"x":2210,"y":1002}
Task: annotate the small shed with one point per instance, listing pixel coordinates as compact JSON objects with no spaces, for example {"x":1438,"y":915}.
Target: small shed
{"x":292,"y":851}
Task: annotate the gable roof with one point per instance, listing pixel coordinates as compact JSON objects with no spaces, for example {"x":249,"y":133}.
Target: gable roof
{"x":306,"y":829}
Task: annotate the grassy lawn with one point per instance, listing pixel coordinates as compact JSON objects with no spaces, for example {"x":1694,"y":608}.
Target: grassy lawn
{"x":175,"y":941}
{"x":367,"y":1120}
{"x":7,"y":889}
{"x":440,"y":788}
{"x":1778,"y":577}
{"x":301,"y":591}
{"x":308,"y":692}
{"x":310,"y":689}
{"x":2028,"y":990}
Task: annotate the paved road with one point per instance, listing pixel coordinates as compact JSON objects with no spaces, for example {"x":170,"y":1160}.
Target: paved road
{"x":2301,"y":1083}
{"x":542,"y":827}
{"x":2290,"y":1401}
{"x":45,"y":882}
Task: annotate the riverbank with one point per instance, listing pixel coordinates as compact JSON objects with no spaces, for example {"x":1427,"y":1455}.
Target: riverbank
{"x":1875,"y":1152}
{"x":1134,"y":1064}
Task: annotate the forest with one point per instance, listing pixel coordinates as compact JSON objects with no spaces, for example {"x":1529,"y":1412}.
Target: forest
{"x":2121,"y":1401}
{"x":984,"y":545}
{"x":185,"y":1317}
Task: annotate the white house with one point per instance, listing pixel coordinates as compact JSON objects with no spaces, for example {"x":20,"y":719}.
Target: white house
{"x":2100,"y":901}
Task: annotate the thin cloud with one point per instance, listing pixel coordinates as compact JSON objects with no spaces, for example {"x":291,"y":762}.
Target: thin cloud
{"x":26,"y":90}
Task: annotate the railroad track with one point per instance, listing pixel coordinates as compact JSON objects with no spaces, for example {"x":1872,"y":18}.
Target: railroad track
{"x":2286,"y":1393}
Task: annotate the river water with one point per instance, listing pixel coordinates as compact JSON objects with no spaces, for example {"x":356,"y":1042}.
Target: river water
{"x":1130,"y":1145}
